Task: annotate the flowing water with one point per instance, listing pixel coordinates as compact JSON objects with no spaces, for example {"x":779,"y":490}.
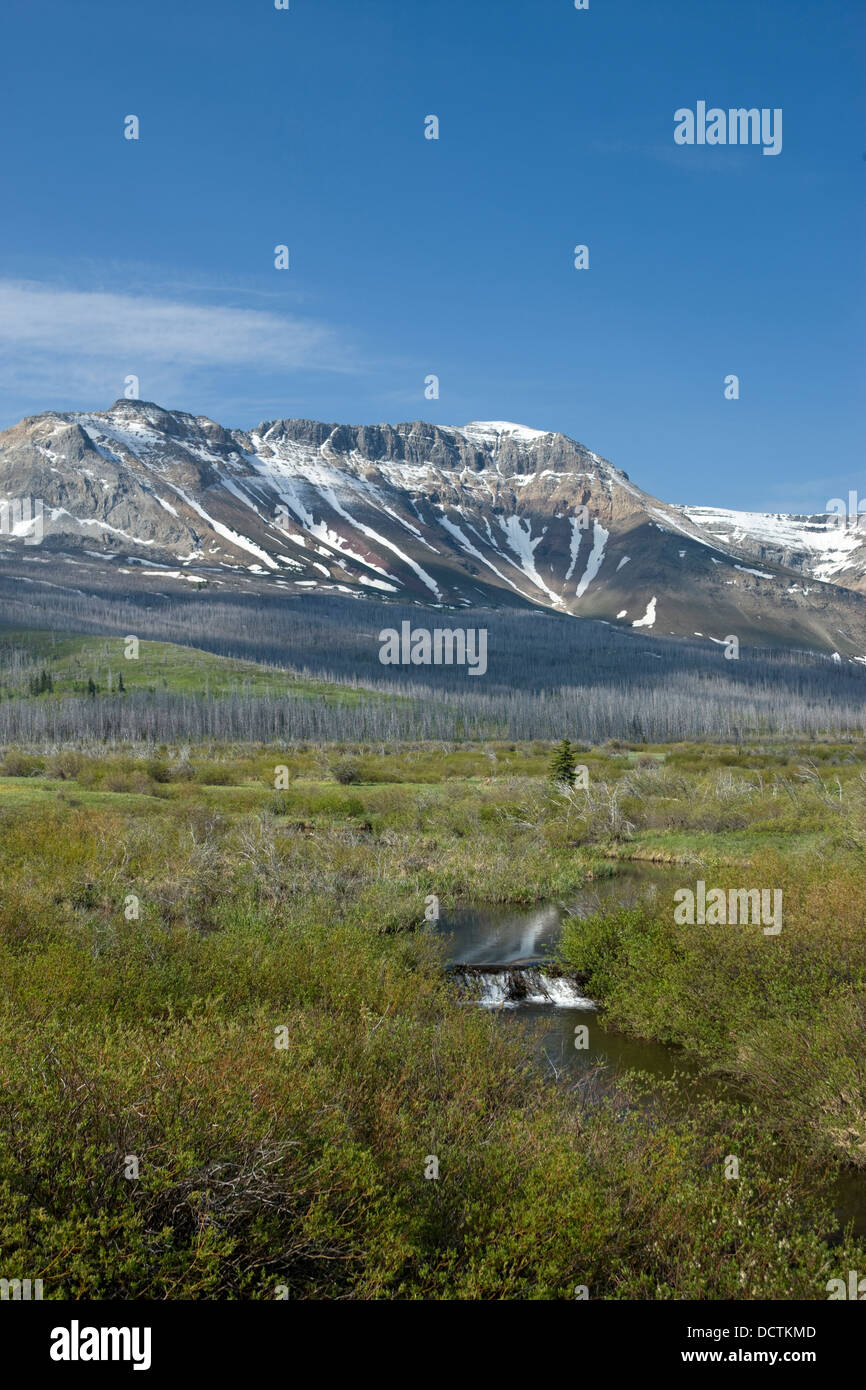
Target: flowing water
{"x":499,"y":958}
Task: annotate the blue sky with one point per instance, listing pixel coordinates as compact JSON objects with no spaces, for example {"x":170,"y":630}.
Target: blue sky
{"x":454,"y":257}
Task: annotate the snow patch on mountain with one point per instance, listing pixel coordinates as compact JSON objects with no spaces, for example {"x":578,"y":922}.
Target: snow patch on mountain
{"x":649,"y":617}
{"x":828,"y":545}
{"x":489,"y":431}
{"x":518,"y":533}
{"x":243,"y":542}
{"x":470,"y":549}
{"x":596,"y":555}
{"x":574,"y":546}
{"x":760,"y":573}
{"x":422,"y":574}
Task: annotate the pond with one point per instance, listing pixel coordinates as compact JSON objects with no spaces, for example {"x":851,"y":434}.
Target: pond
{"x":497,"y":956}
{"x":499,"y":959}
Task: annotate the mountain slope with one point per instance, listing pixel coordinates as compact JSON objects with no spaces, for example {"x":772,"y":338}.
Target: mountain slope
{"x":137,"y":497}
{"x":818,"y":547}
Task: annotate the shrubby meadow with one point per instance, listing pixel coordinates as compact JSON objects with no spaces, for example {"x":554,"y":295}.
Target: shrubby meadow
{"x":232,"y":1046}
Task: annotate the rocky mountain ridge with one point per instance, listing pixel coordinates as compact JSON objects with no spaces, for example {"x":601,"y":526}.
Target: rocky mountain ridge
{"x":490,"y":513}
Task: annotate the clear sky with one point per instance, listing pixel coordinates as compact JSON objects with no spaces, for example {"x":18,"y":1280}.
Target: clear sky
{"x":411,"y":257}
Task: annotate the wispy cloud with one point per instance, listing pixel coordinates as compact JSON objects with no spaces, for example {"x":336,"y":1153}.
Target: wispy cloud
{"x":82,"y":338}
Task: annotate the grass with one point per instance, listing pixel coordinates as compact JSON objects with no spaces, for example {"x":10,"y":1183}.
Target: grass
{"x":783,"y":1016}
{"x":72,"y":661}
{"x":169,"y":917}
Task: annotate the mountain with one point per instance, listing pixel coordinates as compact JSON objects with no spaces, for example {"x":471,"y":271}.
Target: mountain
{"x":817,"y":547}
{"x":139,"y":497}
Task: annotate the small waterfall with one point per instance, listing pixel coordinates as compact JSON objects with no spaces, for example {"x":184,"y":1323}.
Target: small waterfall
{"x":491,"y":987}
{"x":507,"y":986}
{"x":565,"y":993}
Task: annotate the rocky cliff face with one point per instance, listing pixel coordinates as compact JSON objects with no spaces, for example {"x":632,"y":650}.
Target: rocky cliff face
{"x":137,"y":496}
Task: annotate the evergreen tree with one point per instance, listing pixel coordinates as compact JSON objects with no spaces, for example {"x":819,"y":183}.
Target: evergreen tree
{"x":121,"y":687}
{"x":41,"y":684}
{"x":564,"y":764}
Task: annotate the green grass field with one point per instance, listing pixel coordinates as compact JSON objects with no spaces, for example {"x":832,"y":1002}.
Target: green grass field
{"x":72,"y":661}
{"x":169,"y":914}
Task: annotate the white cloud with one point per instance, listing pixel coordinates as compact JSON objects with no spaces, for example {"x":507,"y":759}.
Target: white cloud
{"x":47,"y":333}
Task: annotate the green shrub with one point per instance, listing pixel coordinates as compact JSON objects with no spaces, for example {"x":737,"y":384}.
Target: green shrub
{"x":21,"y":765}
{"x":346,"y":771}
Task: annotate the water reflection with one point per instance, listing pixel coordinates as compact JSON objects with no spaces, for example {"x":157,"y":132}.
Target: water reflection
{"x":499,"y":935}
